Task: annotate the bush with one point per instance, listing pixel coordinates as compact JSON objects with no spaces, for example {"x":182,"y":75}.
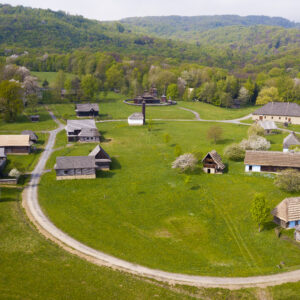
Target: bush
{"x":177,"y":150}
{"x":255,"y":142}
{"x":14,"y":173}
{"x":234,"y":152}
{"x":185,"y":162}
{"x":256,"y":130}
{"x":288,"y":180}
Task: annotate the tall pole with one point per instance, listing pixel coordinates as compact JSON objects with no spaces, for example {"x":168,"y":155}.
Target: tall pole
{"x":144,"y":112}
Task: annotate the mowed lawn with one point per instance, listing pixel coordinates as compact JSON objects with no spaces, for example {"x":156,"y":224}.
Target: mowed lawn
{"x":211,"y":112}
{"x":34,"y":268}
{"x":23,"y":122}
{"x":50,"y":77}
{"x":145,"y":212}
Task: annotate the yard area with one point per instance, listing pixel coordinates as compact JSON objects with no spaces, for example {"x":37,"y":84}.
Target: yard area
{"x":211,"y":112}
{"x":145,"y":212}
{"x":24,"y":123}
{"x":50,"y":77}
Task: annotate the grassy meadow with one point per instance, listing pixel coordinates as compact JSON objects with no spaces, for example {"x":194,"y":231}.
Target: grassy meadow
{"x":147,"y":213}
{"x":50,"y":77}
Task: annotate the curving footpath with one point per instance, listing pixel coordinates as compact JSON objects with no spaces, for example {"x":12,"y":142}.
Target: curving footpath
{"x":50,"y":231}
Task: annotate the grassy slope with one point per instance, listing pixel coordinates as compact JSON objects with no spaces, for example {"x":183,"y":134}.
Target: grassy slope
{"x":144,"y":212}
{"x":23,"y":122}
{"x":50,"y":77}
{"x":34,"y":268}
{"x":211,"y":112}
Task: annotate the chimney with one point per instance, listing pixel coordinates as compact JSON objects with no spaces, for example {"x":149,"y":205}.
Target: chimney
{"x":144,"y":112}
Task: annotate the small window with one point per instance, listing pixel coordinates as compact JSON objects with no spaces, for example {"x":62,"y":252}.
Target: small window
{"x":271,"y":117}
{"x":265,"y":117}
{"x":286,"y":118}
{"x":279,"y":118}
{"x":250,"y":168}
{"x":65,"y":172}
{"x":296,"y":223}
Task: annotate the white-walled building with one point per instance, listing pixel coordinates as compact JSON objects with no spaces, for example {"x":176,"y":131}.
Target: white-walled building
{"x":136,"y":119}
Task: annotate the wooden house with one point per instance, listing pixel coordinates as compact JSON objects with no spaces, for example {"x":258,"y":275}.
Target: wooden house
{"x":75,"y":167}
{"x":32,"y":136}
{"x":212,"y":163}
{"x":15,"y":144}
{"x":283,"y":112}
{"x":287,"y":213}
{"x":34,"y":118}
{"x":268,"y":126}
{"x":271,"y":161}
{"x":83,"y":131}
{"x":290,"y":140}
{"x":297,"y":233}
{"x":148,"y":97}
{"x":87,"y":110}
{"x":102,"y":159}
{"x":3,"y":159}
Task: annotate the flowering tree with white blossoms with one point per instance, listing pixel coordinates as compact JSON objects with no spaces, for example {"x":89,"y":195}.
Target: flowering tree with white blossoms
{"x":185,"y":162}
{"x":255,"y":142}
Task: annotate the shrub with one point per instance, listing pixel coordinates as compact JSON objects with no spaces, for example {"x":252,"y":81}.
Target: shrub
{"x":234,"y":152}
{"x":256,"y":130}
{"x":177,"y":151}
{"x":185,"y":162}
{"x":255,"y":142}
{"x":288,"y":180}
{"x":14,"y":173}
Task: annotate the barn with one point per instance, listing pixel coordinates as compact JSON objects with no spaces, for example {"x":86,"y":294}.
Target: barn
{"x":102,"y":159}
{"x":15,"y":144}
{"x":212,"y":163}
{"x":87,"y":110}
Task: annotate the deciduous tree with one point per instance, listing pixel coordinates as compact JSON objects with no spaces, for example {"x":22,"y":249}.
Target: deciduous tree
{"x":259,"y":210}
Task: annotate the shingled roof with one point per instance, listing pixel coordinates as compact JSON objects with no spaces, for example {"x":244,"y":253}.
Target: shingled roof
{"x":288,"y":209}
{"x":74,"y":162}
{"x":73,"y":125}
{"x":33,"y":136}
{"x":87,"y":107}
{"x":89,"y":132}
{"x":14,"y":140}
{"x":99,"y":150}
{"x":290,"y":140}
{"x":267,"y":125}
{"x":272,"y":158}
{"x":288,"y":109}
{"x":136,"y":116}
{"x":217,"y":159}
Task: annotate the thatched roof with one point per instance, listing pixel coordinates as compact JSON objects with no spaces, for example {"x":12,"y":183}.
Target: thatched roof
{"x":267,"y":125}
{"x":272,"y":158}
{"x":2,"y":153}
{"x":290,"y":140}
{"x":288,"y":109}
{"x":288,"y":209}
{"x":216,"y":157}
{"x":14,"y":140}
{"x":87,"y":107}
{"x":74,"y":162}
{"x":136,"y":116}
{"x":73,"y":125}
{"x":33,"y":136}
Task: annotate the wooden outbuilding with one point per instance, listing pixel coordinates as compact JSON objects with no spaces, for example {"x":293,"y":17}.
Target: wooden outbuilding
{"x":268,"y":126}
{"x":271,"y":161}
{"x":33,"y":137}
{"x":87,"y":110}
{"x":287,"y":213}
{"x":75,"y":167}
{"x":83,"y":131}
{"x":290,"y":140}
{"x":102,"y":159}
{"x":34,"y":118}
{"x":212,"y":163}
{"x":15,"y":144}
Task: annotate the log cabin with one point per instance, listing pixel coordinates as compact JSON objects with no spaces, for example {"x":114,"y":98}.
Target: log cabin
{"x":271,"y":161}
{"x":287,"y":213}
{"x":102,"y":159}
{"x":34,"y":118}
{"x":75,"y":167}
{"x":15,"y":144}
{"x":82,"y":131}
{"x":283,"y":112}
{"x":87,"y":110}
{"x":212,"y":163}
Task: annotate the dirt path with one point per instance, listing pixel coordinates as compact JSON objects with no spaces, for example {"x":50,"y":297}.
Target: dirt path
{"x":50,"y":231}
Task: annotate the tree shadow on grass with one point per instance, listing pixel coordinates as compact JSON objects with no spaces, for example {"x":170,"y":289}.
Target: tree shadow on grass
{"x":7,"y":199}
{"x":105,"y":174}
{"x":270,"y":226}
{"x":224,"y":141}
{"x":115,"y":164}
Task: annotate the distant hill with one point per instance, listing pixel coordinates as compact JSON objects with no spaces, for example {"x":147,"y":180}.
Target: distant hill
{"x":186,"y":27}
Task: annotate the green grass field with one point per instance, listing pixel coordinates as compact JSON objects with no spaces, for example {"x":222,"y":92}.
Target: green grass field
{"x":23,"y":122}
{"x":211,"y":112}
{"x":144,"y":212}
{"x":50,"y":77}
